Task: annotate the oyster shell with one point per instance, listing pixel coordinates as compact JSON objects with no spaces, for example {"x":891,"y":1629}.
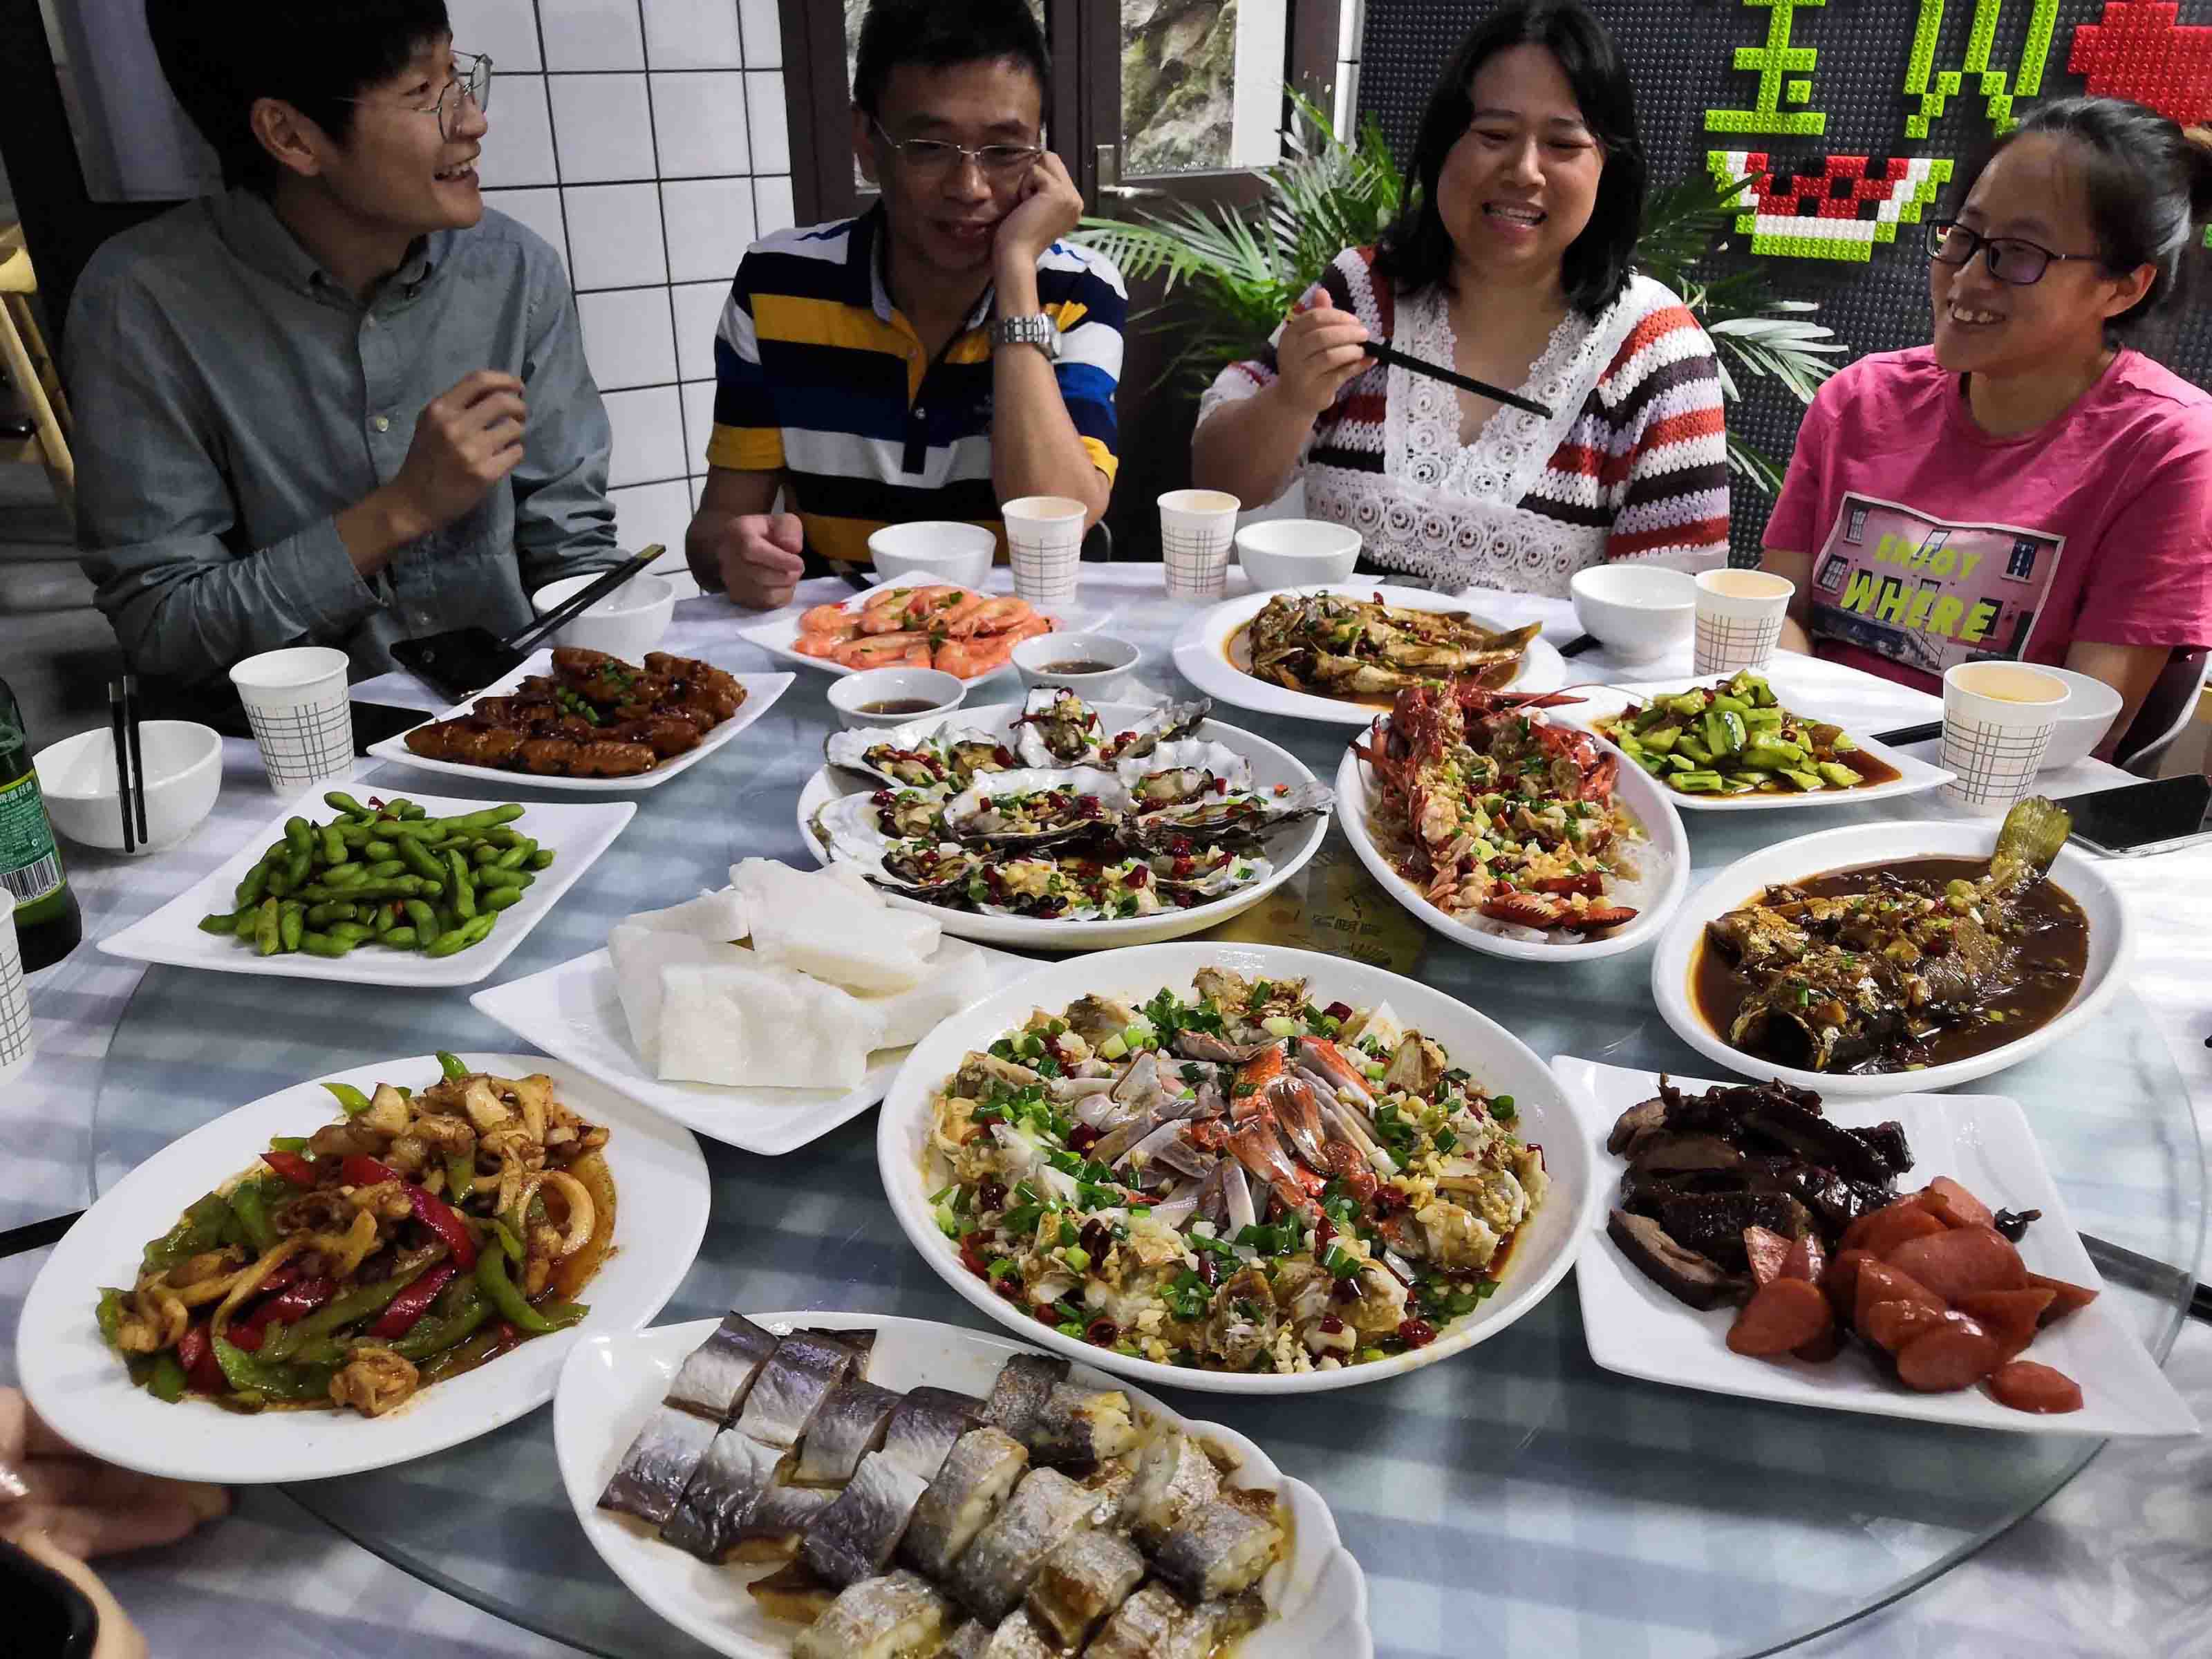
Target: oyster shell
{"x":1037,"y":806}
{"x":1156,"y":726}
{"x":1237,"y":818}
{"x":1056,"y":728}
{"x":858,"y":829}
{"x":929,"y":871}
{"x":1208,"y":873}
{"x":916,"y":763}
{"x":1183,"y":770}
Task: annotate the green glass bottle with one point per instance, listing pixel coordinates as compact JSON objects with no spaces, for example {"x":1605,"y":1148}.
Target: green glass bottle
{"x":48,"y":923}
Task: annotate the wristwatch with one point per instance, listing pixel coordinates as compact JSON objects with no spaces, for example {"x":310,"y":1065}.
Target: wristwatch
{"x":1035,"y":330}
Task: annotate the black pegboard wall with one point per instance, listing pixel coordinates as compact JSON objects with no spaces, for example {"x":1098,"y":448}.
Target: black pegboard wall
{"x":1866,"y":56}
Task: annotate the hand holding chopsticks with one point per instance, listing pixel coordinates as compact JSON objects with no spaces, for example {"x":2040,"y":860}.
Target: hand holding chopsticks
{"x":129,"y":763}
{"x":1383,"y":351}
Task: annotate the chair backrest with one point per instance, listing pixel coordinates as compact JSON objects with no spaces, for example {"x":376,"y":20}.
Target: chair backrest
{"x":2166,"y":712}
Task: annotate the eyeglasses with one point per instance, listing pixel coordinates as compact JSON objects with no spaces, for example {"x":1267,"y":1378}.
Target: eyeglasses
{"x":934,"y":158}
{"x":472,"y":83}
{"x":2010,"y":258}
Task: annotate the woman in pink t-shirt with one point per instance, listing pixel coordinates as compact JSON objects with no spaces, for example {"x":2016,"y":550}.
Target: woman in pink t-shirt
{"x":2028,"y":487}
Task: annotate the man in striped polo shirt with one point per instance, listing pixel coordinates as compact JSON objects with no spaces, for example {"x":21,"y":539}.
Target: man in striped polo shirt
{"x":940,"y":353}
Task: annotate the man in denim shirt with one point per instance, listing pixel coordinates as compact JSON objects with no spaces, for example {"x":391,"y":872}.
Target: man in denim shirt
{"x":340,"y":402}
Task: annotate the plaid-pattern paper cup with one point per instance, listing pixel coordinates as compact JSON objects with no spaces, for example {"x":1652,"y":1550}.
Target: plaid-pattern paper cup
{"x":1997,"y":721}
{"x":16,"y":1047}
{"x":1739,"y":619}
{"x":303,"y":719}
{"x":1044,"y":539}
{"x":1198,"y":532}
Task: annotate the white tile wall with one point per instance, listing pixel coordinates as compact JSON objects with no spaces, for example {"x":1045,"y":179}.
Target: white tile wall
{"x":646,"y":140}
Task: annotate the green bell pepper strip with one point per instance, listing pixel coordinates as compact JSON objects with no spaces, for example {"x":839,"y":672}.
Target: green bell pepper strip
{"x":451,"y":1064}
{"x":461,"y":1356}
{"x":349,"y":1308}
{"x":109,"y":1315}
{"x":248,"y":1202}
{"x":166,"y":1384}
{"x":446,"y":1324}
{"x":351,"y":1098}
{"x":199,"y":1229}
{"x":509,"y":1241}
{"x":460,"y":1175}
{"x":257,"y":1374}
{"x":507,"y":1300}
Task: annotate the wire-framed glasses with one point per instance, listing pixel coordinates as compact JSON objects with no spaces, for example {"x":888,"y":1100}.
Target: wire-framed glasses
{"x":934,"y":158}
{"x":2010,"y":258}
{"x":472,"y":79}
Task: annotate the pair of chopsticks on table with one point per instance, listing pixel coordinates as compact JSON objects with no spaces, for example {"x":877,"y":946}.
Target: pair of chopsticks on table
{"x":129,"y":764}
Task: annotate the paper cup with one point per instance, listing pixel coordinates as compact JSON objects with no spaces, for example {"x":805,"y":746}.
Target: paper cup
{"x":295,"y":700}
{"x":1997,"y":721}
{"x":1044,"y":537}
{"x":1198,"y":530}
{"x":15,"y":1045}
{"x":1739,"y":620}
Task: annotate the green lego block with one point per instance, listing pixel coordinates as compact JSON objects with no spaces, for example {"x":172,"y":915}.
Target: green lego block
{"x":1948,"y":82}
{"x":1798,"y":92}
{"x":1915,"y":126}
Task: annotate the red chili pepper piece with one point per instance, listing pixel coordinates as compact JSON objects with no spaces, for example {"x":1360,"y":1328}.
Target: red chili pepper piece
{"x":197,"y":1355}
{"x":247,"y":1337}
{"x":1416,"y":1332}
{"x":293,"y":1168}
{"x":1339,"y":1010}
{"x":971,"y":1258}
{"x":361,"y":1170}
{"x":1331,"y":1325}
{"x":411,"y":1304}
{"x":1082,"y":1137}
{"x":441,"y":1218}
{"x":1101,"y":1331}
{"x":296,"y":1301}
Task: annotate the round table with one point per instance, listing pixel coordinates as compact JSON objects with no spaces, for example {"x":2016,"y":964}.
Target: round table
{"x":1518,"y":1491}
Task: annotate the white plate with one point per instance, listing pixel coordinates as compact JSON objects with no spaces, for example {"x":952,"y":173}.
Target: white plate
{"x":1201,"y":654}
{"x":1981,"y":1141}
{"x":1271,"y":765}
{"x":575,"y":1011}
{"x":577,"y":834}
{"x":779,"y":633}
{"x":1915,"y":775}
{"x":1495,"y":1058}
{"x":1665,"y":856}
{"x":2111,"y":943}
{"x":760,"y":692}
{"x":611,"y":1385}
{"x":82,"y":1388}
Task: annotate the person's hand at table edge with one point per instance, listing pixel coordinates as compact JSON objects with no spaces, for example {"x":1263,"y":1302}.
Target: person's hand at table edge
{"x":736,"y":545}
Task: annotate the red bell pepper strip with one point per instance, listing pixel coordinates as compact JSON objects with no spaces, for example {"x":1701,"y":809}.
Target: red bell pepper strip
{"x":197,"y":1355}
{"x":361,"y":1170}
{"x":413,"y":1303}
{"x":248,"y":1337}
{"x":293,"y":1168}
{"x":443,"y":1219}
{"x":294,"y":1302}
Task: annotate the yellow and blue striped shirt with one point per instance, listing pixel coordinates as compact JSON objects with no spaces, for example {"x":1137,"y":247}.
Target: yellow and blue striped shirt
{"x":820,"y":377}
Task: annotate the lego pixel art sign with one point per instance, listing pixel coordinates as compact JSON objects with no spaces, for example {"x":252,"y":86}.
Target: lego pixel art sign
{"x":1805,"y":204}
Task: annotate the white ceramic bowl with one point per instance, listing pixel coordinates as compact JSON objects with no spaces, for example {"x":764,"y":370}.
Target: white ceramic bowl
{"x":852,"y":695}
{"x":183,"y":771}
{"x":1296,"y":552}
{"x":1492,"y":1055}
{"x":939,"y":551}
{"x":627,"y":623}
{"x":1636,"y":611}
{"x":2111,"y":943}
{"x":1038,"y":662}
{"x":2090,"y":708}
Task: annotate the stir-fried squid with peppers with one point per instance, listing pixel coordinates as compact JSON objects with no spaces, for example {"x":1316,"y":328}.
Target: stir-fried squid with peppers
{"x":419,"y":1236}
{"x":1240,"y":1180}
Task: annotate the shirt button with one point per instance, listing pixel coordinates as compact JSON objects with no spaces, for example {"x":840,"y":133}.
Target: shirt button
{"x":384,"y":423}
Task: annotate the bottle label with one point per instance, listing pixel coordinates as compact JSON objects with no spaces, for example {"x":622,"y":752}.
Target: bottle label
{"x":30,"y":865}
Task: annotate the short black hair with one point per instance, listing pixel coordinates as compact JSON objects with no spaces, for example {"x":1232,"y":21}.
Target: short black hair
{"x":938,"y":34}
{"x":2147,"y":181}
{"x":220,"y":56}
{"x":1416,"y":250}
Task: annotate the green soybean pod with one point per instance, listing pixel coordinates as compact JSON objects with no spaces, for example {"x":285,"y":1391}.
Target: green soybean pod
{"x":379,"y":850}
{"x":465,"y":892}
{"x":486,"y":853}
{"x":266,"y":933}
{"x":334,"y":847}
{"x":501,"y":834}
{"x":408,"y":809}
{"x":300,"y":833}
{"x":352,"y":933}
{"x":498,"y":875}
{"x":515,"y":857}
{"x":300,"y":866}
{"x":291,"y":926}
{"x":339,"y":801}
{"x":473,"y":934}
{"x":330,"y":910}
{"x":252,"y":886}
{"x":396,"y":807}
{"x":399,"y":938}
{"x":385,"y":869}
{"x":280,"y":884}
{"x":425,"y":921}
{"x":419,"y":858}
{"x":386,"y":917}
{"x":325,"y":944}
{"x":542,"y":859}
{"x":499,"y":898}
{"x":222,"y":921}
{"x":345,"y":875}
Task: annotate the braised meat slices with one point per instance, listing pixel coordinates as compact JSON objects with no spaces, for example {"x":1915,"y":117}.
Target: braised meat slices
{"x":595,"y":716}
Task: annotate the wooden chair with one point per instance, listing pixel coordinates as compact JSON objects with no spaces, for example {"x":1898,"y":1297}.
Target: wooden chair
{"x":30,"y":368}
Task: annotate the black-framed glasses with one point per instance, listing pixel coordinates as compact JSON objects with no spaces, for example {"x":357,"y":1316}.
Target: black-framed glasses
{"x":472,"y":79}
{"x":934,"y":158}
{"x":2010,"y":258}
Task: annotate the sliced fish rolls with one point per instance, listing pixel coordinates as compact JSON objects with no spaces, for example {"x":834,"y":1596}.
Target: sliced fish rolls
{"x":1020,"y":1636}
{"x":925,"y":1425}
{"x":1174,"y":1477}
{"x":1216,"y":1550}
{"x":1025,"y":1384}
{"x":887,"y":1618}
{"x":790,"y":1387}
{"x":724,"y":1489}
{"x":1084,"y":1579}
{"x":971,"y":1641}
{"x":1081,"y":1425}
{"x":658,"y":1465}
{"x":1146,"y":1626}
{"x":849,"y":1425}
{"x":720,"y":1372}
{"x":993,"y":1573}
{"x":772,"y":1531}
{"x":978,"y":1474}
{"x":855,"y":1537}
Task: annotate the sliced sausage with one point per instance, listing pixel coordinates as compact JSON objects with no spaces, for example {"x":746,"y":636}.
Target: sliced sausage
{"x":1806,"y":1260}
{"x":1953,"y":1205}
{"x":1955,"y":1355}
{"x":2011,"y":1316}
{"x":1880,"y":1282}
{"x":2027,"y":1386}
{"x":1841,"y":1282}
{"x":1768,"y":1249}
{"x":2065,"y":1298}
{"x":1821,"y":1349}
{"x":1961,"y":1261}
{"x":1885,"y":1230}
{"x":1891,"y":1325}
{"x":1781,"y":1315}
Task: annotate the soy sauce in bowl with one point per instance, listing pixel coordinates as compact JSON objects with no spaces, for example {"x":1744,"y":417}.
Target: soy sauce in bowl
{"x":898,"y":706}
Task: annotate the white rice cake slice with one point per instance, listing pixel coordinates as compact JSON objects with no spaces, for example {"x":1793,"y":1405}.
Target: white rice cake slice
{"x":753,"y":1025}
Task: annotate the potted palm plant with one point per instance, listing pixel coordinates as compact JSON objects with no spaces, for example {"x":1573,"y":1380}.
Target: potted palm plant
{"x":1247,"y":267}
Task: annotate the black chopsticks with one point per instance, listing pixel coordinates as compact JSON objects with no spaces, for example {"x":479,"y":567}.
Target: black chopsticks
{"x":592,"y":593}
{"x":129,"y":763}
{"x":1383,"y":352}
{"x":1919,"y":733}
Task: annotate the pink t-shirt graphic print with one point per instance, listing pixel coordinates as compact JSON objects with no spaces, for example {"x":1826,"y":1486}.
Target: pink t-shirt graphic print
{"x":1925,"y":592}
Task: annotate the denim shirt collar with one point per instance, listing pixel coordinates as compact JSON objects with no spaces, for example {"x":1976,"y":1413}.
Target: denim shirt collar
{"x":248,"y":224}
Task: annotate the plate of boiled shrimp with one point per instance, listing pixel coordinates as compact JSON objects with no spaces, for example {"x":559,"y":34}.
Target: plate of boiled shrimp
{"x":955,"y":629}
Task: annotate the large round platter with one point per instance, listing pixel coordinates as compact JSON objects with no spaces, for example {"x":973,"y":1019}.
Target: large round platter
{"x":1665,"y":857}
{"x":81,"y":1389}
{"x":611,"y":1383}
{"x":1201,"y":654}
{"x":2110,"y":941}
{"x":1270,"y":764}
{"x":1497,"y":1060}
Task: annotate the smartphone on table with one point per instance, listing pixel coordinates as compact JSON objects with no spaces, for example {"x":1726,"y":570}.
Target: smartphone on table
{"x":2140,"y":818}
